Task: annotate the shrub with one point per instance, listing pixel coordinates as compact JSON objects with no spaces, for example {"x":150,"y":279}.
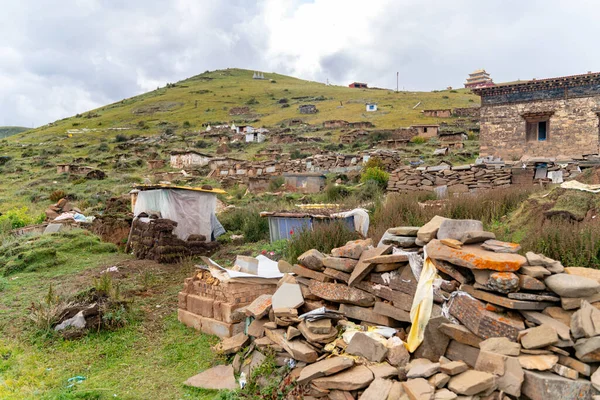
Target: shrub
{"x":374,"y":162}
{"x":324,"y":236}
{"x":186,"y":124}
{"x":445,"y":97}
{"x":248,"y":221}
{"x":285,"y":105}
{"x":453,"y":91}
{"x":4,"y":159}
{"x":418,"y":140}
{"x":283,"y":100}
{"x":377,"y":175}
{"x":252,"y":101}
{"x":3,"y":283}
{"x":335,"y":192}
{"x":120,"y":138}
{"x":275,"y":183}
{"x":103,"y":147}
{"x":20,"y":217}
{"x":297,"y":155}
{"x":142,"y":125}
{"x":370,"y":190}
{"x":201,"y":144}
{"x":57,"y":195}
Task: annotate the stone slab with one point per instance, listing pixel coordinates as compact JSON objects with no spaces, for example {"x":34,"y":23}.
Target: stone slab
{"x":474,"y":257}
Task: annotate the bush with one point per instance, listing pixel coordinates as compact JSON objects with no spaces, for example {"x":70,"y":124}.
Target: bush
{"x":186,"y":124}
{"x":297,"y":155}
{"x":4,"y":159}
{"x":418,"y":140}
{"x":247,"y":221}
{"x":120,"y":138}
{"x":201,"y":144}
{"x":335,"y":192}
{"x":370,"y":190}
{"x":57,"y":195}
{"x":324,"y":236}
{"x":275,"y":183}
{"x":285,"y":105}
{"x":374,"y":162}
{"x":377,"y":175}
{"x":103,"y":147}
{"x":142,"y":125}
{"x":3,"y":284}
{"x":20,"y":217}
{"x":252,"y":101}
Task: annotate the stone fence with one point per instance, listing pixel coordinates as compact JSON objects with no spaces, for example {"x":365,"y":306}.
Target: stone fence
{"x":466,"y":178}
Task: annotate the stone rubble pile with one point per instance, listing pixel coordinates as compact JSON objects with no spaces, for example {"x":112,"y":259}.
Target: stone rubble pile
{"x":500,"y":325}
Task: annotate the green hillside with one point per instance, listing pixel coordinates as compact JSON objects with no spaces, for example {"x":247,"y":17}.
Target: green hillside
{"x":119,"y":138}
{"x":6,"y":131}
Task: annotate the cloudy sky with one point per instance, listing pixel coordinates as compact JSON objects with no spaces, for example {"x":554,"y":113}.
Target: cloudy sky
{"x":61,"y":57}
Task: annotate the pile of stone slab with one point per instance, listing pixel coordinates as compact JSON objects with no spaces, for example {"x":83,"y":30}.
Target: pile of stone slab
{"x":502,"y":325}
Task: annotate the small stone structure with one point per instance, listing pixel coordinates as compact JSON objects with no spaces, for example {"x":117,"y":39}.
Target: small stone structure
{"x":426,"y":130}
{"x":470,"y":112}
{"x":239,"y":110}
{"x":358,"y":85}
{"x":89,"y":172}
{"x":189,"y":158}
{"x":541,"y":118}
{"x":156,"y":164}
{"x":307,"y":109}
{"x":155,"y":240}
{"x":212,"y":306}
{"x":442,"y":113}
{"x":305,"y":182}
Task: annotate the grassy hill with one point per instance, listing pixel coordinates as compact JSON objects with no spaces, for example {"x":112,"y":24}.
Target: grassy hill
{"x":119,"y":138}
{"x":6,"y":131}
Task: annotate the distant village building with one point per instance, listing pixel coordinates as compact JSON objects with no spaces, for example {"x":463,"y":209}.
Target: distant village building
{"x":479,"y":78}
{"x":255,"y":137}
{"x":541,"y":118}
{"x":181,"y":159}
{"x":426,"y":130}
{"x":307,"y":182}
{"x":308,"y":109}
{"x":371,"y":107}
{"x":258,"y":75}
{"x":443,"y":113}
{"x":358,"y":85}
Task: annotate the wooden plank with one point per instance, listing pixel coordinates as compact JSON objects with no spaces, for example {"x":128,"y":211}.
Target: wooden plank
{"x":504,"y":301}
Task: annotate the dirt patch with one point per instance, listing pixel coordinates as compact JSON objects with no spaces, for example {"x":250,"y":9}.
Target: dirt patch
{"x":160,"y":106}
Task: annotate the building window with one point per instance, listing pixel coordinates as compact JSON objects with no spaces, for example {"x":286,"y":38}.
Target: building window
{"x":537,"y":126}
{"x":425,"y":130}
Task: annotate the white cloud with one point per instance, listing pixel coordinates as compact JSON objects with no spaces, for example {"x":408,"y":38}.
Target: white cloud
{"x":78,"y":54}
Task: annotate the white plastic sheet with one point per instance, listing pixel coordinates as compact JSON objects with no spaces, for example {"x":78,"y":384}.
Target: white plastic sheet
{"x":580,"y":186}
{"x":361,"y":219}
{"x":191,"y":210}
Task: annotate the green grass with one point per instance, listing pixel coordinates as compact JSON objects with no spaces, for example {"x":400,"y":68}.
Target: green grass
{"x":148,"y":358}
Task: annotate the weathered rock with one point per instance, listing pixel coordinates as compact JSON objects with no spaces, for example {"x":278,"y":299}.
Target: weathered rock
{"x":404,"y":230}
{"x":256,"y":359}
{"x":582,"y":368}
{"x":397,"y":354}
{"x":565,"y":372}
{"x":533,"y":297}
{"x":391,"y":311}
{"x":377,"y":390}
{"x":471,"y":237}
{"x":366,"y":314}
{"x":500,"y":345}
{"x":573,"y":303}
{"x":586,"y":321}
{"x":292,"y":332}
{"x":232,"y":344}
{"x":352,"y":249}
{"x":357,"y":377}
{"x":547,"y":386}
{"x":388,"y":259}
{"x":444,"y":394}
{"x":341,"y":264}
{"x":501,"y":247}
{"x":474,"y":257}
{"x":503,"y":282}
{"x":595,"y":379}
{"x":400,"y":241}
{"x":365,"y":346}
{"x":256,"y":328}
{"x":363,"y":267}
{"x":383,"y":370}
{"x":461,"y":334}
{"x":542,"y":362}
{"x":297,"y":349}
{"x":455,"y":244}
{"x":340,"y":395}
{"x":260,"y":306}
{"x":339,"y":293}
{"x":423,"y":370}
{"x":560,"y":315}
{"x":471,"y":382}
{"x":288,"y":295}
{"x":439,"y":380}
{"x":456,"y":228}
{"x":312,"y":259}
{"x":527,"y":282}
{"x":434,"y":343}
{"x":216,"y":378}
{"x":534,"y":271}
{"x":513,"y":377}
{"x":566,"y":285}
{"x":540,"y":260}
{"x":562,"y":330}
{"x":326,"y":367}
{"x":538,"y":337}
{"x":588,"y":350}
{"x":590,"y":273}
{"x":428,"y":232}
{"x":454,"y":367}
{"x":492,"y":363}
{"x":320,"y":326}
{"x":397,"y":392}
{"x":418,"y":389}
{"x":317,"y":337}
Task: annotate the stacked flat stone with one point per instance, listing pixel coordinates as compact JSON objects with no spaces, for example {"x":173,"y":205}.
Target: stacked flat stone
{"x":514,"y":327}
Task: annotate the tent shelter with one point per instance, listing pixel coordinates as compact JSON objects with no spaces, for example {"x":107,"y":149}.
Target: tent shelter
{"x":192,"y":208}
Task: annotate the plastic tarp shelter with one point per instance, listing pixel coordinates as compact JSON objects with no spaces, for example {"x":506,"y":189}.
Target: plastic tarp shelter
{"x":194,"y":211}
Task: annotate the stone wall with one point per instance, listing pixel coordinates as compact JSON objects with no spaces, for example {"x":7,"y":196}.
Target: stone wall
{"x":572,"y":129}
{"x":466,"y":178}
{"x":466,"y":112}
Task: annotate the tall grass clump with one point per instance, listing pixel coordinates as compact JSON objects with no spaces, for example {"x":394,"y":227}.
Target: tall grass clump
{"x":247,"y":221}
{"x":404,"y":209}
{"x":377,"y":175}
{"x":324,"y":236}
{"x":575,"y":244}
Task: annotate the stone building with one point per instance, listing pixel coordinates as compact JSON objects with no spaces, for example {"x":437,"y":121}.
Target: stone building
{"x":441,"y":113}
{"x":555,"y":117}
